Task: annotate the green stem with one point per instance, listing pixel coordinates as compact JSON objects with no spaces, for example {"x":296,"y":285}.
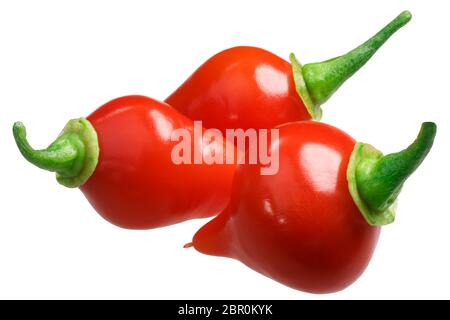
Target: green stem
{"x":375,"y":181}
{"x":73,"y":155}
{"x":380,"y":181}
{"x":322,"y":79}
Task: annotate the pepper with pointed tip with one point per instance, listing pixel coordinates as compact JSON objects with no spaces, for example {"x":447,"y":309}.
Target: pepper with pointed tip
{"x":247,"y":87}
{"x":314,"y":225}
{"x":120,"y":158}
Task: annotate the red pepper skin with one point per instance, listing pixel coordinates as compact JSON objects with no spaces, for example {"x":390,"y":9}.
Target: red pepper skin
{"x":241,"y":87}
{"x":300,"y":226}
{"x":135,"y":184}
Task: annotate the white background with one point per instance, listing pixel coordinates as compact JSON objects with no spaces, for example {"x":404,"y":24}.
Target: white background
{"x":61,"y":59}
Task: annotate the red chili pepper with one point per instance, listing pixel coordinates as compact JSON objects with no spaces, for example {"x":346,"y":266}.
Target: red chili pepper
{"x":314,"y":225}
{"x":120,"y":157}
{"x":247,"y":87}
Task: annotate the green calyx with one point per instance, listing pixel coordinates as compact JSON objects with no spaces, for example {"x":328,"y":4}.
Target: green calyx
{"x":314,"y":109}
{"x":316,"y":82}
{"x":73,"y":155}
{"x":375,"y":180}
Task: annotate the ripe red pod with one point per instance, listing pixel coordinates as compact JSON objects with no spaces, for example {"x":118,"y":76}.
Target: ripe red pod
{"x":120,"y":158}
{"x":247,"y":87}
{"x":314,"y":225}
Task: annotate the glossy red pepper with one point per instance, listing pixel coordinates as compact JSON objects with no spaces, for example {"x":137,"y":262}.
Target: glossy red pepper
{"x":247,"y":87}
{"x":120,"y":157}
{"x":314,"y":225}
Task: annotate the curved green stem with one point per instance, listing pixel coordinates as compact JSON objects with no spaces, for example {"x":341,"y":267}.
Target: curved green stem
{"x":379,"y":182}
{"x":73,"y":155}
{"x":375,"y":181}
{"x":322,"y":79}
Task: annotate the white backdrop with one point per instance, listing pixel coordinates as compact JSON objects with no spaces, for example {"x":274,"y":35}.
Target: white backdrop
{"x":60,"y":60}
